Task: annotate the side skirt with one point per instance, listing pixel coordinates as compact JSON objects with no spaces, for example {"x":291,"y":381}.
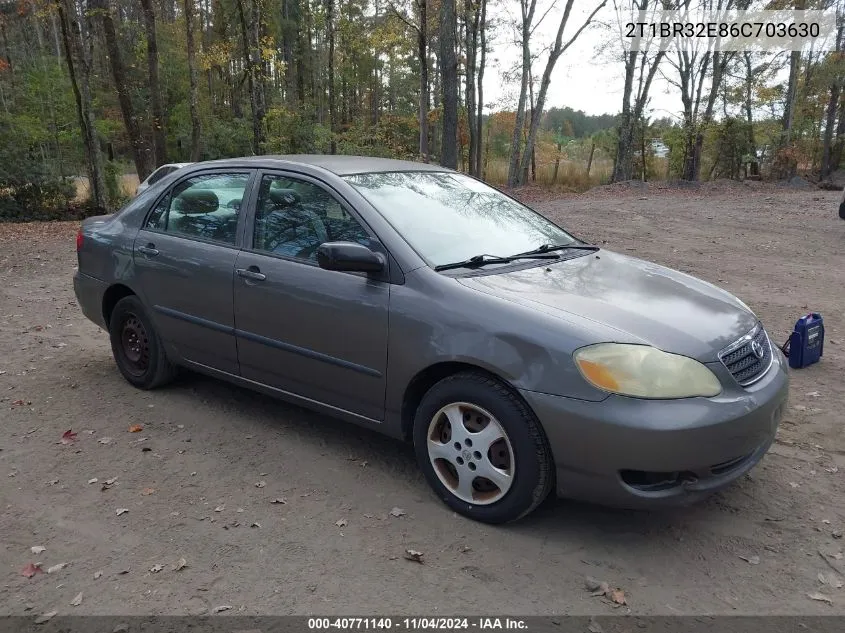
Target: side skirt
{"x":288,"y":396}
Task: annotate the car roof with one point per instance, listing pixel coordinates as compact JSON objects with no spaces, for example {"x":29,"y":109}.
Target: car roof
{"x":340,"y":165}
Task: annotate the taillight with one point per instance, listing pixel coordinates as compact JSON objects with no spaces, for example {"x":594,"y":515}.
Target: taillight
{"x":79,"y":240}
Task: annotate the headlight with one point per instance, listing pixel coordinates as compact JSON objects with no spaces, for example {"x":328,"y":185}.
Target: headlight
{"x":642,"y":371}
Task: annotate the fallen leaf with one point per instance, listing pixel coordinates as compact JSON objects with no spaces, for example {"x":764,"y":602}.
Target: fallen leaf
{"x":820,"y":597}
{"x":414,"y":555}
{"x":120,"y":628}
{"x":28,"y":606}
{"x":751,"y":560}
{"x":111,"y":482}
{"x":105,"y":440}
{"x":594,"y":626}
{"x":68,"y":437}
{"x":398,"y":512}
{"x":93,"y":480}
{"x":180,"y":564}
{"x":255,"y":524}
{"x":832,"y":469}
{"x":279,"y":500}
{"x":260,"y":484}
{"x":220,"y":508}
{"x":136,"y":428}
{"x":55,"y":568}
{"x":123,"y":572}
{"x":826,"y":521}
{"x":222,"y":607}
{"x":30,"y":570}
{"x":120,"y":511}
{"x":341,"y":523}
{"x":156,"y":568}
{"x":148,"y":491}
{"x":813,"y":394}
{"x":77,"y":600}
{"x":617,"y":596}
{"x":45,"y":617}
{"x":793,"y":484}
{"x":37,"y":549}
{"x":97,"y":575}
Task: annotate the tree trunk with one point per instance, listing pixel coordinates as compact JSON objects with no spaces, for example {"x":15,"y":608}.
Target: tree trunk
{"x":140,"y":150}
{"x":193,"y":102}
{"x":252,"y":58}
{"x":422,"y":56}
{"x":332,"y":112}
{"x":482,"y":26}
{"x":449,"y":72}
{"x":558,"y":49}
{"x":472,"y":15}
{"x":830,"y":119}
{"x":159,"y":142}
{"x":836,"y":157}
{"x":590,"y":159}
{"x":79,"y":78}
{"x":519,"y":123}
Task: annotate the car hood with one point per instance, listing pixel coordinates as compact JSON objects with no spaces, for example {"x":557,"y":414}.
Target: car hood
{"x":643,"y":302}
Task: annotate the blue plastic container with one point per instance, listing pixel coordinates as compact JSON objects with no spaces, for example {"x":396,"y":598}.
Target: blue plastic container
{"x":806,"y":343}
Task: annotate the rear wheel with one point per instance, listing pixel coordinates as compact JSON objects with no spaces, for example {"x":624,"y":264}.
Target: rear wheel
{"x":136,"y":347}
{"x":482,"y":449}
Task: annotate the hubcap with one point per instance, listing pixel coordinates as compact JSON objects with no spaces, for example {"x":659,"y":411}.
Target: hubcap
{"x":471,"y":453}
{"x":135,"y":345}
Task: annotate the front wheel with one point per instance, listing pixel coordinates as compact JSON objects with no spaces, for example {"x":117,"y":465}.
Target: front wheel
{"x":136,"y":347}
{"x":482,"y":449}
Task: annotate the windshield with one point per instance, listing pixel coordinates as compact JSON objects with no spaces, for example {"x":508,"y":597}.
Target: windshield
{"x":449,"y":217}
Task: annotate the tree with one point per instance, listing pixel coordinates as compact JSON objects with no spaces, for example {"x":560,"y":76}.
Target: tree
{"x":196,"y":126}
{"x":557,"y":50}
{"x":140,"y":149}
{"x":449,"y":78}
{"x":159,"y":142}
{"x":830,"y":117}
{"x":80,"y":72}
{"x":641,"y":64}
{"x":527,"y":10}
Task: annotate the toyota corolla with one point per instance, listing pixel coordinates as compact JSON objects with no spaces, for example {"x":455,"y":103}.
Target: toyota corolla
{"x":422,"y":303}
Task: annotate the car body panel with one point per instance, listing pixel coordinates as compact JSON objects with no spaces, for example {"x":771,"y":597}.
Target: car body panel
{"x":188,"y":287}
{"x":352,"y":345}
{"x":682,"y":314}
{"x":660,"y":436}
{"x":318,"y":333}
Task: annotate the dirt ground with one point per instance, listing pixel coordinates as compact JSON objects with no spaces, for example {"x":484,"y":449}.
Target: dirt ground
{"x":200,"y":479}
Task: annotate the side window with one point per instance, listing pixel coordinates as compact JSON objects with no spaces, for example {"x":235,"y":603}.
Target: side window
{"x":204,"y":207}
{"x":157,"y":175}
{"x":294,"y":217}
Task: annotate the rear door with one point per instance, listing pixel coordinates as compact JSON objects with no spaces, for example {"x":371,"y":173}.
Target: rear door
{"x":316,"y":333}
{"x":184,"y":258}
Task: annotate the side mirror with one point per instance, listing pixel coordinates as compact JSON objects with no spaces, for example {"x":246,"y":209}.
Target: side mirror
{"x":349,"y":257}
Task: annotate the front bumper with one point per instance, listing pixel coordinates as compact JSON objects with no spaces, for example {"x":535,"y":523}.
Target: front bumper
{"x":634,"y":453}
{"x":89,"y":294}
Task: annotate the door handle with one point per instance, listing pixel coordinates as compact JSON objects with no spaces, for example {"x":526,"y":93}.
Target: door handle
{"x":149,"y":250}
{"x":251,"y":273}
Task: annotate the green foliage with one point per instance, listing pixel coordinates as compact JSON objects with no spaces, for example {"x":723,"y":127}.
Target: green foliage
{"x":289,"y":132}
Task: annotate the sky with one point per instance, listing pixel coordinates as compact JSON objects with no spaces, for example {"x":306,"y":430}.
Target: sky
{"x":585,"y":78}
{"x":588,"y":76}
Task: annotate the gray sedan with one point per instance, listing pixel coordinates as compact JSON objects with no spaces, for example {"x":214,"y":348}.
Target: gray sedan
{"x":422,"y":303}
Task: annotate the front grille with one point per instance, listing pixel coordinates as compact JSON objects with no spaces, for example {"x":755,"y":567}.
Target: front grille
{"x":745,"y":365}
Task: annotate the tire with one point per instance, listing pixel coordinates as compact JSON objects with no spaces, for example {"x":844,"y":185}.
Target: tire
{"x":136,"y":346}
{"x":475,"y":401}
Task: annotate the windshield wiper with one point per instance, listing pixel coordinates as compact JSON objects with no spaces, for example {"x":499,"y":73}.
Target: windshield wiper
{"x":548,"y":248}
{"x":482,"y":260}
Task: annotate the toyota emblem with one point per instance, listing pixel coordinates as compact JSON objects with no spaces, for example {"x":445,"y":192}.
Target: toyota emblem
{"x":757,"y":348}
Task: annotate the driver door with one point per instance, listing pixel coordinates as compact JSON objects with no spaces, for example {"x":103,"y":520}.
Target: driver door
{"x":316,"y":333}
